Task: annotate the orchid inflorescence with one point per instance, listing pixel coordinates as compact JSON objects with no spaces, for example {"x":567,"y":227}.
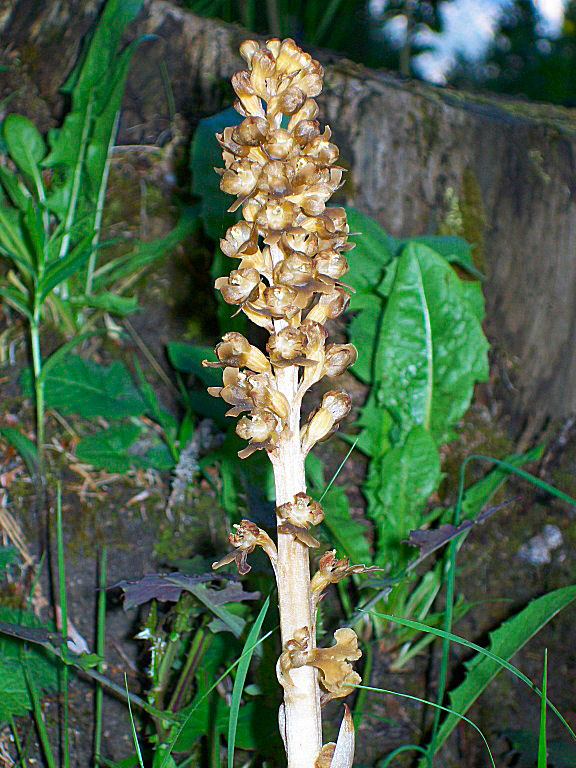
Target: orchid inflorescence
{"x":281,"y":166}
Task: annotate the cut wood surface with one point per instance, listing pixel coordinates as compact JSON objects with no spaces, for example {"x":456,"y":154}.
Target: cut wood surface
{"x":503,"y":171}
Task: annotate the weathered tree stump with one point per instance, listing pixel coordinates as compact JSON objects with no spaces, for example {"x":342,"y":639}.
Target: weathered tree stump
{"x":504,"y":170}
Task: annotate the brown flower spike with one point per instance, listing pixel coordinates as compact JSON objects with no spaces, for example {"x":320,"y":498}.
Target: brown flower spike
{"x":290,"y":250}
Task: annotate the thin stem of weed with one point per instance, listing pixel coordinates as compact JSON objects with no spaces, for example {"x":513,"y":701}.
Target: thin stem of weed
{"x":64,"y":672}
{"x":100,"y":650}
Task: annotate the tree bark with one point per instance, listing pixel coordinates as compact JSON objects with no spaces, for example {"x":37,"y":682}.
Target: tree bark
{"x":504,"y":169}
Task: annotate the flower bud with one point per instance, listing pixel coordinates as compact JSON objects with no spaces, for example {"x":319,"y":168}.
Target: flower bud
{"x":249,"y":104}
{"x":287,"y":103}
{"x":236,"y":351}
{"x":263,"y":66}
{"x":338,"y":358}
{"x":306,"y":131}
{"x":291,"y":58}
{"x":248,"y":49}
{"x":324,"y":421}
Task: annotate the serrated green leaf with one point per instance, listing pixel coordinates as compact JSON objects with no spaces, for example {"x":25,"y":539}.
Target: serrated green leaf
{"x":125,"y":447}
{"x":205,"y":155}
{"x":25,"y":144}
{"x":109,"y":449}
{"x":75,"y":385}
{"x":507,"y":640}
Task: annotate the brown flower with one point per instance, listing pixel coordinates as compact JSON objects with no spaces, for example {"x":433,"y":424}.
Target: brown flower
{"x":336,"y":675}
{"x":288,"y":347}
{"x":239,"y":287}
{"x":261,"y":428}
{"x":331,"y":570}
{"x":247,"y":537}
{"x":241,"y":238}
{"x":298,"y":516}
{"x":236,"y":351}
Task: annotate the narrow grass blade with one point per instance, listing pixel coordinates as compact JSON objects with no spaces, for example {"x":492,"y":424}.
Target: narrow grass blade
{"x":39,"y":719}
{"x":241,"y":673}
{"x":214,"y":685}
{"x":542,"y":746}
{"x":25,"y":447}
{"x":511,"y":636}
{"x":64,"y":671}
{"x":134,"y":733}
{"x":436,"y":706}
{"x":100,"y":649}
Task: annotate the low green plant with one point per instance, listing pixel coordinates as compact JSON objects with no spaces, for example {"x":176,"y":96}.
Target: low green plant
{"x":52,"y":198}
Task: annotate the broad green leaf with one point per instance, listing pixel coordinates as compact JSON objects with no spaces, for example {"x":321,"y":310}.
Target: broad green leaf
{"x":25,"y":144}
{"x":348,"y":534}
{"x":188,"y":358}
{"x":15,"y":697}
{"x":432,"y":348}
{"x":75,"y":385}
{"x":25,"y":447}
{"x":397,"y":488}
{"x":454,"y":249}
{"x":124,"y":447}
{"x":507,"y":640}
{"x":374,"y":250}
{"x":205,"y":155}
{"x":364,"y":332}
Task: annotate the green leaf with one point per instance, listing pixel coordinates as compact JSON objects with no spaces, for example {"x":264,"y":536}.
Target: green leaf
{"x":205,"y":155}
{"x":109,"y":449}
{"x":25,"y":447}
{"x":364,"y":332}
{"x":432,"y":348}
{"x":75,"y":385}
{"x":398,"y":486}
{"x":188,"y":358}
{"x":108,"y":302}
{"x":25,"y":144}
{"x":146,"y":253}
{"x":507,"y":640}
{"x":374,"y":250}
{"x":348,"y":534}
{"x":16,"y":189}
{"x":61,"y":270}
{"x":14,"y":692}
{"x":241,"y":672}
{"x":454,"y":249}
